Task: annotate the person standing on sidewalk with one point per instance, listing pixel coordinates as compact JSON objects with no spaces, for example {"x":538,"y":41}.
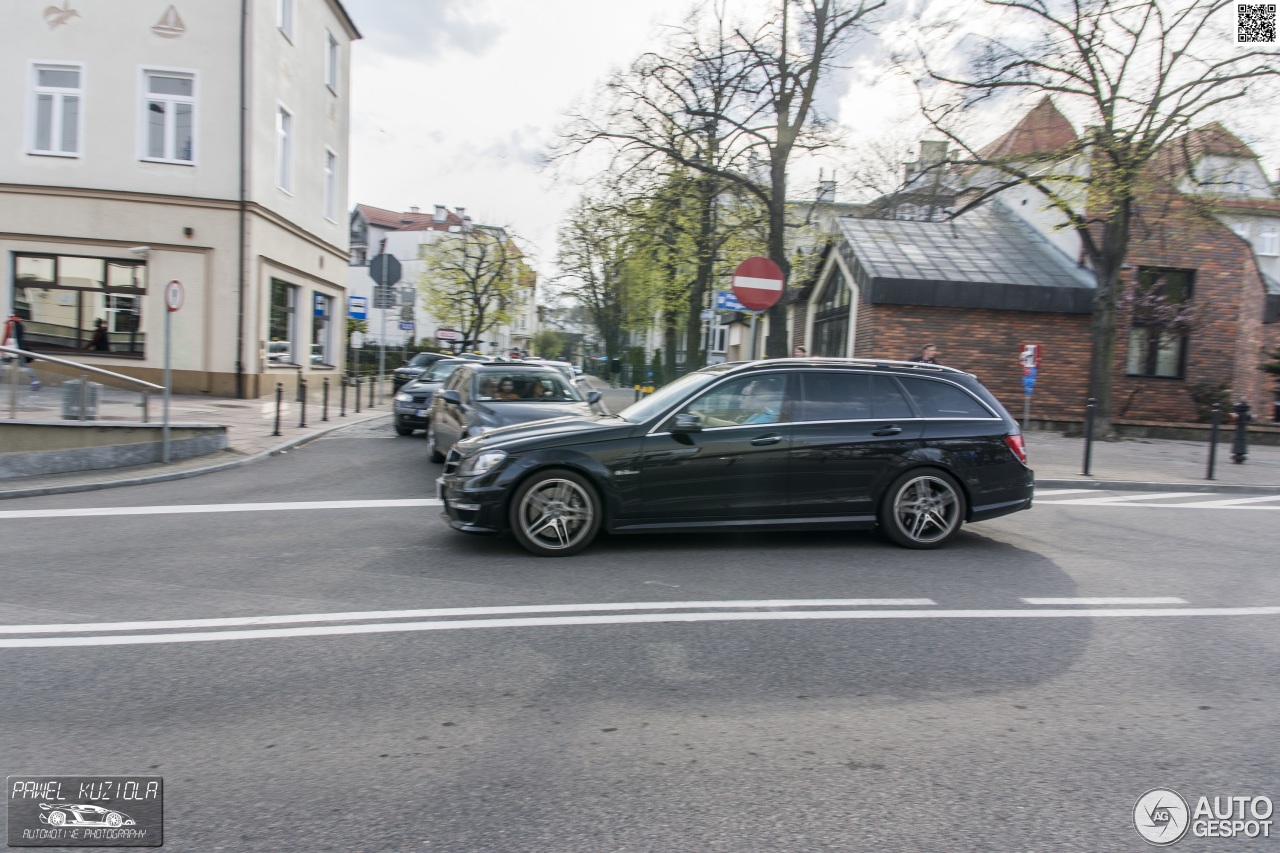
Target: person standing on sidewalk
{"x":928,"y":355}
{"x":15,"y":336}
{"x":101,"y":340}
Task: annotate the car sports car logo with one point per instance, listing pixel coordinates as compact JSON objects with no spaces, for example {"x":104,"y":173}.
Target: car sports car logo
{"x":83,"y":815}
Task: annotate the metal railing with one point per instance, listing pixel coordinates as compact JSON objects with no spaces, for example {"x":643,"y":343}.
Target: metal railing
{"x":15,"y":360}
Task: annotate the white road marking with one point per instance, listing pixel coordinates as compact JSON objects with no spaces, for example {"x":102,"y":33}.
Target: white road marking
{"x":460,"y":611}
{"x":1117,"y":499}
{"x":1055,"y":492}
{"x":204,"y":508}
{"x":1056,"y":602}
{"x":1231,"y":502}
{"x":624,"y":619}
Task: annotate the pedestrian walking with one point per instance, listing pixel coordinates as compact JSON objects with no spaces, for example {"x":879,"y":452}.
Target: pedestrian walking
{"x":101,"y":340}
{"x":15,"y":335}
{"x":798,"y":352}
{"x":928,"y":355}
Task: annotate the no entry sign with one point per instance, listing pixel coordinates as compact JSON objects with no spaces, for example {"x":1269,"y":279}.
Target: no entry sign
{"x":757,"y":282}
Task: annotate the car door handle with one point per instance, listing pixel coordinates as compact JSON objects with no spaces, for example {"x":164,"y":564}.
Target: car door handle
{"x":891,"y":429}
{"x":766,"y":439}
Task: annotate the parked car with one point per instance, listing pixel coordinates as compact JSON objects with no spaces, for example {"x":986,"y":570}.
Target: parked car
{"x":412,"y":404}
{"x":479,"y":398}
{"x":415,"y":367}
{"x":786,"y":444}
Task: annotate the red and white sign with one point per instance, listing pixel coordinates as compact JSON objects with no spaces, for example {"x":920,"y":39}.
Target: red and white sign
{"x":448,"y":335}
{"x":1030,"y":355}
{"x":757,"y":283}
{"x":173,"y":295}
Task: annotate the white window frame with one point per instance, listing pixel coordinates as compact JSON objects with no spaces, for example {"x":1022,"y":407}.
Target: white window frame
{"x":284,"y":148}
{"x":332,"y":57}
{"x":144,"y":132}
{"x":1268,"y":240}
{"x":55,"y":117}
{"x":284,"y":18}
{"x":330,"y":184}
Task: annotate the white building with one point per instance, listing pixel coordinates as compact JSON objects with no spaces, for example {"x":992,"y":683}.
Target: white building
{"x":404,"y":236}
{"x":205,"y":142}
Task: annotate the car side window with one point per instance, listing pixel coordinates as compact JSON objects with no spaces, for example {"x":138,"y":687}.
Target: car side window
{"x":836,"y":396}
{"x":746,"y":400}
{"x":943,"y":400}
{"x":887,"y":401}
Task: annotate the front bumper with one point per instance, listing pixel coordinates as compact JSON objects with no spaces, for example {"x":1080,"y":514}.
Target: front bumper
{"x":471,"y":507}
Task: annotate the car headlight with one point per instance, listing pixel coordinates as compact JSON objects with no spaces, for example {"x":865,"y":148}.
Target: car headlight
{"x":482,"y":462}
{"x":404,"y":398}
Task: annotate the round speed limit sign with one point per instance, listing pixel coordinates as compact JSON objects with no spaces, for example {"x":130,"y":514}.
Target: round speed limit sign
{"x":173,"y":295}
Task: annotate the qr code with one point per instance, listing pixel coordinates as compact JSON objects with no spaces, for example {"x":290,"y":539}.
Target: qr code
{"x":1256,"y":23}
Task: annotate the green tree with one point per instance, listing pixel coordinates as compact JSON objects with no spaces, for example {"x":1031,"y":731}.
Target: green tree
{"x":548,"y":343}
{"x":471,"y":280}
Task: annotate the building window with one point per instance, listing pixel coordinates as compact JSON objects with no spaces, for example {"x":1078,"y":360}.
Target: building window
{"x":330,"y":185}
{"x":57,"y":94}
{"x":331,"y":56}
{"x":1268,"y":240}
{"x":284,"y":149}
{"x":65,"y":298}
{"x":831,"y":317}
{"x":322,"y":314}
{"x":359,"y":257}
{"x":283,"y":331}
{"x":1158,"y":338}
{"x":284,"y":18}
{"x":170,"y":116}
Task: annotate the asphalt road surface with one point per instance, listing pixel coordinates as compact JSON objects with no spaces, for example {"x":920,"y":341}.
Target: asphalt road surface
{"x":313,"y":661}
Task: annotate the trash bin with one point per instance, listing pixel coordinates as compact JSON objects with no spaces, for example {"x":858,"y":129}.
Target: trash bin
{"x":73,"y":398}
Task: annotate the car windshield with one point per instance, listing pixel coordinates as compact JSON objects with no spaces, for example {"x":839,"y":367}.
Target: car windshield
{"x":422,"y":359}
{"x":647,"y":407}
{"x":441,"y":371}
{"x":544,"y":386}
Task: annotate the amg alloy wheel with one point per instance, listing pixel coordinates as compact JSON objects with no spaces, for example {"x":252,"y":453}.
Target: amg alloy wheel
{"x":555,"y":513}
{"x":922,"y":509}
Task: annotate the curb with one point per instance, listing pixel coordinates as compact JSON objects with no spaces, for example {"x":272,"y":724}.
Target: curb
{"x":1143,"y":486}
{"x":283,"y":447}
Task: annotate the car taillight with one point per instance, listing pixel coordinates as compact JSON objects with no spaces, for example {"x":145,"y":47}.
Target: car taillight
{"x":1019,"y":449}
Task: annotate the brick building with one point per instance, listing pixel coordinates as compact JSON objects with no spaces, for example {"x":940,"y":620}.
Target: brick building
{"x":1002,"y":275}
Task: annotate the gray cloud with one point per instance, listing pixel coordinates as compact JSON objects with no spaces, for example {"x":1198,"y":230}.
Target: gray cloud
{"x":423,"y":29}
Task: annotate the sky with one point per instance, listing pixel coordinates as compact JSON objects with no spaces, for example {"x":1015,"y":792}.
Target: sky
{"x":455,"y":101}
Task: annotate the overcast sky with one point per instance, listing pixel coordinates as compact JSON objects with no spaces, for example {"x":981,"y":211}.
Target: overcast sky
{"x":454,"y":101}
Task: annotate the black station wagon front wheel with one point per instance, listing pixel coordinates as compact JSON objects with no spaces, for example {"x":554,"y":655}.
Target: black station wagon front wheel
{"x":555,"y":513}
{"x":922,"y":509}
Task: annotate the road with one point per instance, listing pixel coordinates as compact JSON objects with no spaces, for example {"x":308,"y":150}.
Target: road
{"x":377,"y":682}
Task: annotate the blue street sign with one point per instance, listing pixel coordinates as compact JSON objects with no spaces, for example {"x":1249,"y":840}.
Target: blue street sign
{"x":319,"y":304}
{"x":357,"y":307}
{"x":1029,"y":378}
{"x":406,"y":325}
{"x":726,"y":301}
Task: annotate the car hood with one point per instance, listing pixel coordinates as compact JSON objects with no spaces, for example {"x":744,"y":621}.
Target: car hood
{"x":548,"y":433}
{"x":421,"y":387}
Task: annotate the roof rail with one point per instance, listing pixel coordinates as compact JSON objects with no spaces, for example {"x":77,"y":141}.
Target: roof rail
{"x":860,"y":362}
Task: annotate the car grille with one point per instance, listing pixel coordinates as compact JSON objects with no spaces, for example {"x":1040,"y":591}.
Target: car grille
{"x":420,"y":399}
{"x":451,"y":462}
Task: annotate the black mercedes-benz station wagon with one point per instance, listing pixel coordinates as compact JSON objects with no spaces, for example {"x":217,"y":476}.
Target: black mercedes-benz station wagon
{"x":786,"y":444}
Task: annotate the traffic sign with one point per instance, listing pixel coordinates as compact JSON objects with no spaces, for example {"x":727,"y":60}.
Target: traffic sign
{"x":385,"y":298}
{"x":173,"y":295}
{"x":384,"y":269}
{"x":757,"y":282}
{"x":406,"y":325}
{"x":726,"y":301}
{"x":358,"y":307}
{"x":1030,"y":356}
{"x":448,"y":335}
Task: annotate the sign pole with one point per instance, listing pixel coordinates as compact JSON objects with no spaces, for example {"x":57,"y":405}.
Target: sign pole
{"x":751,"y":350}
{"x":382,"y":350}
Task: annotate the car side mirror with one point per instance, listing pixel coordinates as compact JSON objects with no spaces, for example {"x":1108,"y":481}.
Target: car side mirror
{"x":404,"y":364}
{"x":593,"y":397}
{"x":452,"y":397}
{"x":687,"y":422}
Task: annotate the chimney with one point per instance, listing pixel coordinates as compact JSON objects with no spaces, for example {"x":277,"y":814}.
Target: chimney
{"x":440,"y":214}
{"x":466,"y":222}
{"x":461,"y":211}
{"x":827,"y":190}
{"x":932,"y":153}
{"x":413,"y":210}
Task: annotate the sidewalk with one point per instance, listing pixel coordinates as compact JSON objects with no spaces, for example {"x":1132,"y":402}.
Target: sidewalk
{"x":1131,"y":464}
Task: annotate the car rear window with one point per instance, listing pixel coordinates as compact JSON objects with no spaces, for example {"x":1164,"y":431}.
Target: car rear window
{"x":844,"y":396}
{"x":943,"y":400}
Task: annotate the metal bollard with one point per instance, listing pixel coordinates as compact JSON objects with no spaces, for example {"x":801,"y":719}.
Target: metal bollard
{"x":1214,"y":420}
{"x":357,"y":393}
{"x":1088,"y":434}
{"x":302,"y":401}
{"x":1240,"y":445}
{"x":324,"y":411}
{"x":342,"y":398}
{"x":373,"y":380}
{"x":279,"y":403}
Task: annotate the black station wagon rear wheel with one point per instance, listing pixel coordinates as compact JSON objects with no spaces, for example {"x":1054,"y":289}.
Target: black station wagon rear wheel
{"x":922,"y":509}
{"x":555,"y":513}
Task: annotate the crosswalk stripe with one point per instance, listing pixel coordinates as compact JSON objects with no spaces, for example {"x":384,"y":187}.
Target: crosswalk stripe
{"x":1120,"y":499}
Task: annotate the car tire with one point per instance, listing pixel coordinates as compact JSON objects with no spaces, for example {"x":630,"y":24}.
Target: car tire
{"x":113,"y":820}
{"x":433,"y":452}
{"x":401,"y":429}
{"x":555,"y":513}
{"x":57,"y":818}
{"x":922,"y":509}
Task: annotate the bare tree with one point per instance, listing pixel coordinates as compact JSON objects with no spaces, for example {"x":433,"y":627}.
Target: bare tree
{"x":472,"y":278}
{"x":732,"y":103}
{"x":1140,"y":72}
